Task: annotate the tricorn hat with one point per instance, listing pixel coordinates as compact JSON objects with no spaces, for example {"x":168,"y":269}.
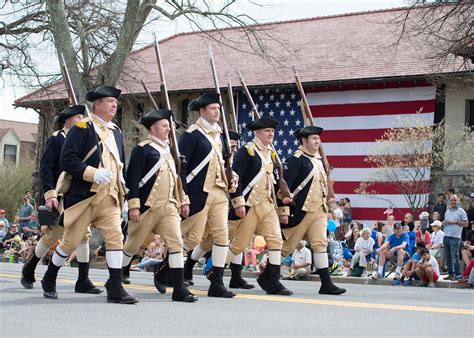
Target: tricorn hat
{"x":103,"y":91}
{"x":203,"y":101}
{"x":234,"y":135}
{"x":69,"y":112}
{"x":155,"y":115}
{"x":307,"y":131}
{"x":262,"y":123}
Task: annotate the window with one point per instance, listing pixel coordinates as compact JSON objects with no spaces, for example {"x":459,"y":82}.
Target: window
{"x":184,"y":112}
{"x":470,"y":113}
{"x":9,"y":153}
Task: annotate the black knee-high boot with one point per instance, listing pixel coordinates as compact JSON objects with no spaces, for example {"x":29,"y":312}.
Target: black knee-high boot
{"x":115,"y":291}
{"x":160,"y":275}
{"x":180,"y":293}
{"x":274,"y":287}
{"x":217,"y":288}
{"x":188,"y":268}
{"x":83,"y":284}
{"x":236,"y":280}
{"x":49,"y":281}
{"x":28,"y":272}
{"x":327,"y":286}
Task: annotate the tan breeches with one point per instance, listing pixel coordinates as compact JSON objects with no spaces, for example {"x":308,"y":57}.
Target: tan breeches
{"x":104,"y":215}
{"x":162,"y":220}
{"x":54,"y":233}
{"x":313,"y":227}
{"x":260,"y":220}
{"x":213,"y":216}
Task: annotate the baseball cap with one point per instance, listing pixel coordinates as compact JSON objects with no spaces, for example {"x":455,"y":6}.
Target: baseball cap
{"x":2,"y":211}
{"x":397,"y":225}
{"x":436,"y":224}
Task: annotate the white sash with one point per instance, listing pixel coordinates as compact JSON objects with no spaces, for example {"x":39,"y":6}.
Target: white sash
{"x":156,"y":167}
{"x":111,"y":149}
{"x":307,"y":179}
{"x":260,"y":173}
{"x":206,"y":160}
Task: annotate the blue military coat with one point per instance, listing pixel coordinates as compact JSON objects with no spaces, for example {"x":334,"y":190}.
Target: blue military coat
{"x":50,"y":168}
{"x":79,"y":141}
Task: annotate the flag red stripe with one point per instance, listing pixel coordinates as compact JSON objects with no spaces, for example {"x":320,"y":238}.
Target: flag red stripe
{"x":384,"y":85}
{"x":378,"y":213}
{"x":372,"y":109}
{"x":359,"y":161}
{"x":352,"y":135}
{"x":342,"y":188}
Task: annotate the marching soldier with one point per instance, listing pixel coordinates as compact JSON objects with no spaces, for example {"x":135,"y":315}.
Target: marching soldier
{"x":254,"y":207}
{"x":205,"y":183}
{"x":205,"y":246}
{"x":153,"y":201}
{"x":307,"y":217}
{"x":93,"y":155}
{"x":50,"y":170}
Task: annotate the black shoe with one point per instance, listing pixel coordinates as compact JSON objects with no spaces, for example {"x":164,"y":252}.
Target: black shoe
{"x":217,"y":288}
{"x":86,"y":286}
{"x":262,"y":280}
{"x":26,"y":284}
{"x":236,"y":280}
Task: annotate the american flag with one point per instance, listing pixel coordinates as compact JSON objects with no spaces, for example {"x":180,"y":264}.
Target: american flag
{"x":353,"y":117}
{"x":280,"y":104}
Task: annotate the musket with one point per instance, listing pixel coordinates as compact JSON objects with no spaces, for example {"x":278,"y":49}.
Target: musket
{"x":309,"y":116}
{"x":232,"y":113}
{"x":232,"y":107}
{"x":173,"y":138}
{"x":284,"y":190}
{"x":73,"y":100}
{"x":227,"y":148}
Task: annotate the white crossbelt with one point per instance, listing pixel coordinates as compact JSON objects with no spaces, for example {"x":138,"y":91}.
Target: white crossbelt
{"x":206,"y":160}
{"x":111,"y":149}
{"x":307,"y":179}
{"x":156,"y":167}
{"x":260,"y":173}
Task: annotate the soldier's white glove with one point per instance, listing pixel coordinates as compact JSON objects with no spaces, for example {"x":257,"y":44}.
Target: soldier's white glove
{"x":102,"y":175}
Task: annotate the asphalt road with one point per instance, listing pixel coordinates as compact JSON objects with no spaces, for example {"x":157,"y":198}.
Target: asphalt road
{"x":365,"y":310}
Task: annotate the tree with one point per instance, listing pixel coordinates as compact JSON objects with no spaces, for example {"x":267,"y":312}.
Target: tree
{"x":96,"y":37}
{"x":445,"y":25}
{"x":408,"y":157}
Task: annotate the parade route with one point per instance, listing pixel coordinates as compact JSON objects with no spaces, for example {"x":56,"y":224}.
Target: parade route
{"x":364,"y":310}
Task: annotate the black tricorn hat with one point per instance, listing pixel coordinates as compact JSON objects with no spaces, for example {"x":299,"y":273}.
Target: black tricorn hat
{"x":262,"y":123}
{"x":307,"y":131}
{"x":103,"y":91}
{"x":69,"y":112}
{"x":155,"y":115}
{"x":203,"y":101}
{"x":234,"y":135}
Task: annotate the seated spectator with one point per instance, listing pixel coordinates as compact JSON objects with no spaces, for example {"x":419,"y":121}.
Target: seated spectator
{"x":347,"y":215}
{"x":435,"y":216}
{"x":301,"y":262}
{"x":467,"y":248}
{"x":351,"y":241}
{"x":467,"y":272}
{"x":27,"y":248}
{"x":406,"y":229}
{"x":153,"y":255}
{"x":338,"y":216}
{"x":423,"y":237}
{"x":4,"y":219}
{"x":408,"y":220}
{"x":394,"y":247}
{"x":427,"y":269}
{"x":362,"y":251}
{"x":251,"y":253}
{"x":2,"y":230}
{"x":387,"y":229}
{"x":408,"y":271}
{"x":12,"y":232}
{"x":378,"y":236}
{"x":436,"y":237}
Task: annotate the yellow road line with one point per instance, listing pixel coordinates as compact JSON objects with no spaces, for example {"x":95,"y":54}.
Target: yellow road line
{"x":299,"y":300}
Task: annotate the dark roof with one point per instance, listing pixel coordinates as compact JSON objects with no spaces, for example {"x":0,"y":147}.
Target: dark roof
{"x":331,"y":49}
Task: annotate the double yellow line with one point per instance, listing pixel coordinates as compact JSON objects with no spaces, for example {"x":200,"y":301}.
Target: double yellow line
{"x":411,"y":308}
